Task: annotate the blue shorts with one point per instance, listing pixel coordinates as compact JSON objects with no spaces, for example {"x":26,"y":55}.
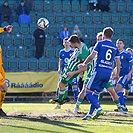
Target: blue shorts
{"x":74,"y":81}
{"x":98,"y":81}
{"x":124,"y":82}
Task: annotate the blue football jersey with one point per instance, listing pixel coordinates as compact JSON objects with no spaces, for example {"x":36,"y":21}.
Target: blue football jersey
{"x":125,"y":58}
{"x":65,"y":56}
{"x":106,"y":51}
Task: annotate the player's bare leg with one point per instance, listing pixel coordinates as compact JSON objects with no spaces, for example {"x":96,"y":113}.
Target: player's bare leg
{"x":115,"y":98}
{"x":113,"y":93}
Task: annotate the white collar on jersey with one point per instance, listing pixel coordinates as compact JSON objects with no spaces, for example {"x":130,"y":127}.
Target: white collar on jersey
{"x":67,"y":50}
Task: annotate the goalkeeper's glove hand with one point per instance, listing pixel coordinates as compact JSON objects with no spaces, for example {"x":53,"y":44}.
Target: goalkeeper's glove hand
{"x":8,"y":28}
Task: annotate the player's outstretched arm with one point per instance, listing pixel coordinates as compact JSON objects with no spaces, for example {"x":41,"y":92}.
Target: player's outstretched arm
{"x":59,"y":66}
{"x":89,"y":58}
{"x":118,"y":65}
{"x":80,"y":69}
{"x":131,"y":71}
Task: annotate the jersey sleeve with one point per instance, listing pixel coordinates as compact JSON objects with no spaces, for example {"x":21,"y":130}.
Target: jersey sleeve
{"x":129,"y":57}
{"x":1,"y":30}
{"x":117,"y":54}
{"x":97,"y":47}
{"x":60,"y":55}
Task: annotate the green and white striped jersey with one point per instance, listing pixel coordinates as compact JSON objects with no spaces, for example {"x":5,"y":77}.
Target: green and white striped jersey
{"x":90,"y":68}
{"x":91,"y":65}
{"x":79,"y":55}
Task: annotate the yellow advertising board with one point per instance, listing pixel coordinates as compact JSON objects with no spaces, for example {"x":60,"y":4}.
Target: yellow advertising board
{"x":22,"y":82}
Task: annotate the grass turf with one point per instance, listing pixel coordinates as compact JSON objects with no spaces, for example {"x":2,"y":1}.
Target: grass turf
{"x":41,"y":118}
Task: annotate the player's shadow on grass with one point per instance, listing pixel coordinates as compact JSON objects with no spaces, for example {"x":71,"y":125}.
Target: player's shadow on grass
{"x":118,"y":121}
{"x":67,"y":125}
{"x":28,"y":128}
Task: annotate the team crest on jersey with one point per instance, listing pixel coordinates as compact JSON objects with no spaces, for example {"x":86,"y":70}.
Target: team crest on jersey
{"x":66,"y":60}
{"x":121,"y":57}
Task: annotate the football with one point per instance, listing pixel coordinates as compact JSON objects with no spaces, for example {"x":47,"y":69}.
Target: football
{"x":43,"y":23}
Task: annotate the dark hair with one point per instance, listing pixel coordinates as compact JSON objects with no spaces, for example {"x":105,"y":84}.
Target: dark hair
{"x":65,"y":39}
{"x":120,"y":40}
{"x":6,"y":1}
{"x":108,"y":32}
{"x":127,"y":49}
{"x":74,"y":39}
{"x":22,"y":1}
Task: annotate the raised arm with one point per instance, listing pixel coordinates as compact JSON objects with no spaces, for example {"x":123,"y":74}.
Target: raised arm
{"x":89,"y":58}
{"x":80,"y":69}
{"x":59,"y":66}
{"x":118,"y":65}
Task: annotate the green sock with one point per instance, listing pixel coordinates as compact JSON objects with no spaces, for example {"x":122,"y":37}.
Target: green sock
{"x":117,"y":104}
{"x":79,"y":101}
{"x":100,"y":96}
{"x":61,"y":94}
{"x":66,"y":94}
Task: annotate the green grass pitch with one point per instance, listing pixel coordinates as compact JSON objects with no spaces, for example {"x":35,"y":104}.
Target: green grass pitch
{"x":41,"y":118}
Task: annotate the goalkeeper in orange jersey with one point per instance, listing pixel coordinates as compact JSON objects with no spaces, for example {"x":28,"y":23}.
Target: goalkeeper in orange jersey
{"x":3,"y":87}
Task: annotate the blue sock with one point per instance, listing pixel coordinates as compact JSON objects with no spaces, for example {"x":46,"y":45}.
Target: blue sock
{"x":125,"y":98}
{"x":96,"y":96}
{"x":76,"y":92}
{"x":93,"y":99}
{"x":121,"y":97}
{"x":92,"y":108}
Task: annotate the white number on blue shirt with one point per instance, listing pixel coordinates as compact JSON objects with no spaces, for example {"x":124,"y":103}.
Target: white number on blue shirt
{"x":108,"y":54}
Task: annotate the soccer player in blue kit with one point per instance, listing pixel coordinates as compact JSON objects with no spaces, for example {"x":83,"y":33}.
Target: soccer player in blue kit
{"x":106,"y":52}
{"x":128,"y":86}
{"x":126,"y":71}
{"x":109,"y":87}
{"x":64,"y":56}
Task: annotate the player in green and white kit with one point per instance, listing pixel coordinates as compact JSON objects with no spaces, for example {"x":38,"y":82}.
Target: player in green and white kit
{"x":90,"y":68}
{"x":109,"y":86}
{"x":79,"y":55}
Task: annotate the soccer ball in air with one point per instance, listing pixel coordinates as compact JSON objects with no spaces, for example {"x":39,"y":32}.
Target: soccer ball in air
{"x":43,"y":23}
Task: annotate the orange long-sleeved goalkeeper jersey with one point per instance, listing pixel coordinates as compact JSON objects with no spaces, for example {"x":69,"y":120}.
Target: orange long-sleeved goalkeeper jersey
{"x":1,"y":30}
